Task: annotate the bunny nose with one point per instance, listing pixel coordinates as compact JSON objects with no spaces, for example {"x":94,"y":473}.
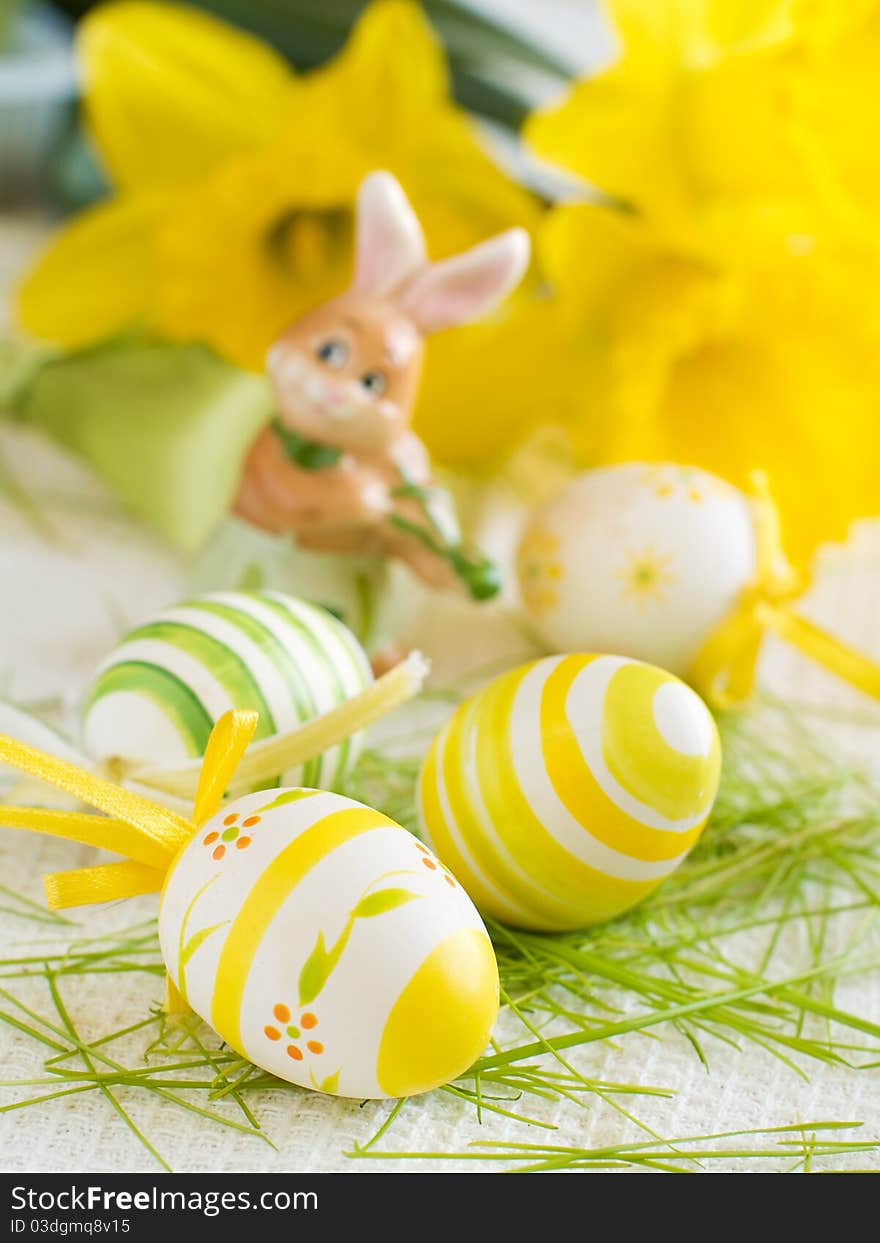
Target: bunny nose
{"x":336,"y":400}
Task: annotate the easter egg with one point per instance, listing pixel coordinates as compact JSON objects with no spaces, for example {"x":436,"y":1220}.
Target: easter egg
{"x":640,"y":560}
{"x":328,"y":946}
{"x":562,"y":793}
{"x":156,"y":697}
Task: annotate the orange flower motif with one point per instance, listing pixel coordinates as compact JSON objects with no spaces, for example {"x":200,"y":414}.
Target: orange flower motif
{"x":433,"y":865}
{"x":283,"y":1027}
{"x":232,"y":833}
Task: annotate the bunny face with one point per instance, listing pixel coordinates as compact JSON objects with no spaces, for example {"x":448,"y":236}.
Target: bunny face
{"x":346,"y":373}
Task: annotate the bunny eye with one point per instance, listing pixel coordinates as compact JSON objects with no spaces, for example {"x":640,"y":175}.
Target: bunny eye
{"x":334,"y":353}
{"x":375,"y":383}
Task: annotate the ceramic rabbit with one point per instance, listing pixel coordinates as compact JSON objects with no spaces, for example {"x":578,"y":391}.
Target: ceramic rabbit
{"x":339,"y":467}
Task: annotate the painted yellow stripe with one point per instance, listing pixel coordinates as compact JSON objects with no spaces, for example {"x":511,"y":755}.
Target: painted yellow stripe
{"x":589,"y":896}
{"x":444,"y":758}
{"x":474,"y":720}
{"x":439,"y":837}
{"x":579,"y":790}
{"x":265,"y":900}
{"x":442,"y":1021}
{"x":639,"y":758}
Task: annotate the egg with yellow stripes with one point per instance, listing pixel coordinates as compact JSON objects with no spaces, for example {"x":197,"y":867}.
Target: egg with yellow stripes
{"x":327,"y":945}
{"x":563,"y":793}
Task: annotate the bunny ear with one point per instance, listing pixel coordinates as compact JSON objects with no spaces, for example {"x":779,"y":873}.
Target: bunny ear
{"x":390,"y":245}
{"x":468,"y":285}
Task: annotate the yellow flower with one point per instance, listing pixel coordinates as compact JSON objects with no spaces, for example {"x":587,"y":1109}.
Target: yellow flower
{"x":678,"y":360}
{"x":693,"y":124}
{"x":729,"y":319}
{"x":235,"y":177}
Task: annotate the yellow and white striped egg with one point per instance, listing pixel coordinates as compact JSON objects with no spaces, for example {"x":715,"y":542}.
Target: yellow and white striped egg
{"x":563,"y":793}
{"x":327,"y":945}
{"x":641,"y":560}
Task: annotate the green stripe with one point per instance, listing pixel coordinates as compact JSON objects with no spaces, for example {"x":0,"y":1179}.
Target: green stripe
{"x":176,"y":700}
{"x":282,"y":660}
{"x":280,"y":606}
{"x":220,"y":660}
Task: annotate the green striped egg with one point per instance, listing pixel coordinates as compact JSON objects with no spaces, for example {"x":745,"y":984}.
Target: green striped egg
{"x":155,"y":698}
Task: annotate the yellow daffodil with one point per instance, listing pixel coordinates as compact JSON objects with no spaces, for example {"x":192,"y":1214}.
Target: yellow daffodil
{"x":235,"y":177}
{"x":674,"y":359}
{"x":728,"y":317}
{"x":693,"y":122}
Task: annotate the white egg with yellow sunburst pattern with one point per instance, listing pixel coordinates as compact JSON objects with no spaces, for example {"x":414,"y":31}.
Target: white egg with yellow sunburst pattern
{"x":327,"y":945}
{"x":639,"y":560}
{"x":566,"y":790}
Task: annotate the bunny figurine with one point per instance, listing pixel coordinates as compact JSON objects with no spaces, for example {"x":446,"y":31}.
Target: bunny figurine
{"x":339,"y":467}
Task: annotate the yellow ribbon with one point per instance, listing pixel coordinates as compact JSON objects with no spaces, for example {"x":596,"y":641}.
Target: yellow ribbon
{"x":147,"y":834}
{"x":724,"y":670}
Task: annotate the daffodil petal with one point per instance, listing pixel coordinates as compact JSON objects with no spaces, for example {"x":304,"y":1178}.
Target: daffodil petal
{"x":483,"y":389}
{"x":171,"y":91}
{"x":694,"y":118}
{"x":822,"y":23}
{"x":588,"y":251}
{"x":97,"y":275}
{"x":269,"y":233}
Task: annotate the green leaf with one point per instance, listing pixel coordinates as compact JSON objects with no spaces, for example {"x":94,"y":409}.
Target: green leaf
{"x":197,"y":939}
{"x":331,"y":1083}
{"x":384,"y":900}
{"x":289,"y":796}
{"x":315,"y":972}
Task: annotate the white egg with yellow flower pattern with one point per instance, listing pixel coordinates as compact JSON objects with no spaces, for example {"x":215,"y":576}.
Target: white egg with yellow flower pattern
{"x":640,"y":560}
{"x":327,"y":945}
{"x":566,"y":790}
